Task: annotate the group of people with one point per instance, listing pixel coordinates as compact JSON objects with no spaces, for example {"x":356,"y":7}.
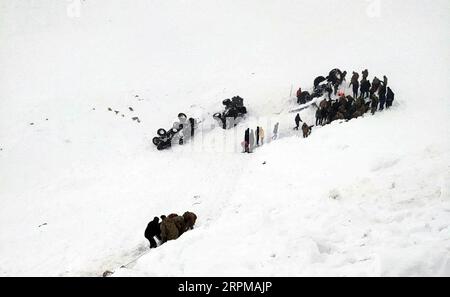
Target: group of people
{"x":305,"y":128}
{"x":366,"y":96}
{"x":171,"y":227}
{"x":253,"y":138}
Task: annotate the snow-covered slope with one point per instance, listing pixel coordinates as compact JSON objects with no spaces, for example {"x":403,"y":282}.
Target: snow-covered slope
{"x":366,"y":197}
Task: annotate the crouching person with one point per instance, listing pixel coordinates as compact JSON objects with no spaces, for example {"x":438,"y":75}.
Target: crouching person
{"x":174,"y":225}
{"x":169,"y":230}
{"x":189,"y":219}
{"x":306,"y":130}
{"x":153,"y":229}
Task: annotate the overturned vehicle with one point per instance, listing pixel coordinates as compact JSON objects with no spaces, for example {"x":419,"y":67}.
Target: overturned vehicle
{"x":234,"y":111}
{"x":179,"y":133}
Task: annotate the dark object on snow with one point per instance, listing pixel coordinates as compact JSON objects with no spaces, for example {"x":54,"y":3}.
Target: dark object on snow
{"x":373,"y":103}
{"x":107,"y":273}
{"x":136,"y":119}
{"x":153,"y":229}
{"x":335,"y":78}
{"x":389,"y":97}
{"x":193,"y":124}
{"x":355,"y":83}
{"x":31,"y":124}
{"x":375,"y":85}
{"x":169,"y":230}
{"x":247,"y":140}
{"x":320,"y":89}
{"x":297,"y":121}
{"x":303,"y":97}
{"x":109,"y":108}
{"x":130,"y":108}
{"x":234,"y":109}
{"x":299,"y":92}
{"x":343,"y":76}
{"x":382,"y":94}
{"x":173,"y":226}
{"x":318,"y":80}
{"x":365,"y":88}
{"x":189,"y":218}
{"x":318,"y":117}
{"x":178,"y":133}
{"x":116,"y":111}
{"x":306,"y":130}
{"x":365,"y":74}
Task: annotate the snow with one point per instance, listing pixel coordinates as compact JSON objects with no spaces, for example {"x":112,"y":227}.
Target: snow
{"x":367,"y":197}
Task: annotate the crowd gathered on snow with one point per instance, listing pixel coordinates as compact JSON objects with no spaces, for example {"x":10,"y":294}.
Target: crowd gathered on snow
{"x":332,"y":104}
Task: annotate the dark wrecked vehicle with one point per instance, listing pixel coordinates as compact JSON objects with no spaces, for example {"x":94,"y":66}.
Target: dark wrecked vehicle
{"x":324,"y":85}
{"x":181,"y":131}
{"x":234,"y":110}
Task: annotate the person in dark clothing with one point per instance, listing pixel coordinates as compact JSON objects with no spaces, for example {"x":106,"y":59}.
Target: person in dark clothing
{"x":247,"y":140}
{"x":257,"y":136}
{"x":365,"y":74}
{"x":318,"y":117}
{"x":373,"y":103}
{"x":334,"y":77}
{"x":306,"y":130}
{"x":303,"y":97}
{"x":389,"y":97}
{"x":343,"y":75}
{"x":299,"y":92}
{"x":297,"y":121}
{"x":152,"y":230}
{"x":329,"y":90}
{"x":375,"y":85}
{"x":355,"y":83}
{"x":365,"y":88}
{"x":192,"y":123}
{"x":382,"y":95}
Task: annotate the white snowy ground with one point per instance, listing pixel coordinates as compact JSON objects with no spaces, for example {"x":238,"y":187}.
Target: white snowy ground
{"x":366,"y":197}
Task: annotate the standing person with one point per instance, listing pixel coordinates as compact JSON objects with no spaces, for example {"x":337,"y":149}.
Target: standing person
{"x":374,"y":103}
{"x":382,"y":95}
{"x":261,"y":135}
{"x":365,"y":74}
{"x":365,"y":87}
{"x":375,"y":85}
{"x":251,"y":140}
{"x":342,"y":79}
{"x":355,"y":82}
{"x":297,"y":121}
{"x":389,"y":97}
{"x":275,"y":131}
{"x":193,"y":124}
{"x":257,"y":135}
{"x":299,"y":94}
{"x":247,"y":140}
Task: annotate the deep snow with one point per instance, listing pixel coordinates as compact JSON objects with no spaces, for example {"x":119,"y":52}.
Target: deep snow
{"x":366,"y":197}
